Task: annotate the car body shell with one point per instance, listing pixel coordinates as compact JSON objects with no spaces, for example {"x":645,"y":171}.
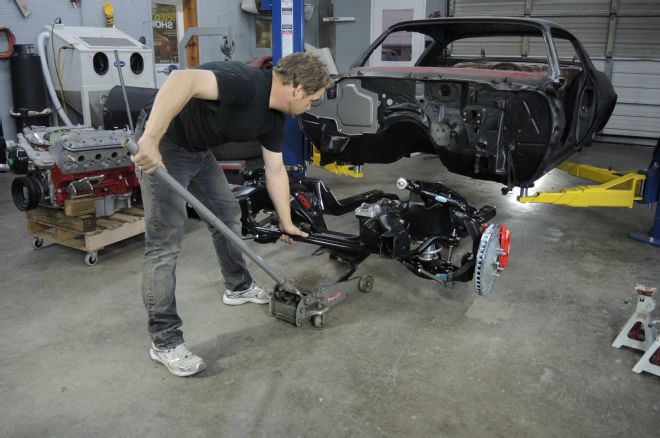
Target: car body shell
{"x":503,"y":119}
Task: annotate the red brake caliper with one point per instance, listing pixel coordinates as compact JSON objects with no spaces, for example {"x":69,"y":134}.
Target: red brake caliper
{"x":304,"y":201}
{"x":505,"y":243}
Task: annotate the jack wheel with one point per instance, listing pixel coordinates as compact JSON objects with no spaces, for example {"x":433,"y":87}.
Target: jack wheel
{"x":317,"y":320}
{"x":91,"y":258}
{"x":37,"y":243}
{"x":366,"y":284}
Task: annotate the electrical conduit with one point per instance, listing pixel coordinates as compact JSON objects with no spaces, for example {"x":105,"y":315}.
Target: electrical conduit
{"x":49,"y":83}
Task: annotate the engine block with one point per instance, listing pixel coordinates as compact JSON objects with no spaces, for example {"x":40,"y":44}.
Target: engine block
{"x":88,"y":150}
{"x":64,"y":163}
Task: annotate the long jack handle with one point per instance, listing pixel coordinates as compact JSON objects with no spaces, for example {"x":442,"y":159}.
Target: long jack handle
{"x":207,"y":215}
{"x":123,"y":90}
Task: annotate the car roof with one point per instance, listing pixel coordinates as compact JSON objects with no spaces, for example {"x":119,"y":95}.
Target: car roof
{"x":458,"y":27}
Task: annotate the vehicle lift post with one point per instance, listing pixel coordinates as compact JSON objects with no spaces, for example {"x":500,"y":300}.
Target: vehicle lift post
{"x":287,"y":38}
{"x":651,"y":194}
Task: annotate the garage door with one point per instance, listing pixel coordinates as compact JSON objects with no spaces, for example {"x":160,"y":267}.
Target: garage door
{"x":622,"y":38}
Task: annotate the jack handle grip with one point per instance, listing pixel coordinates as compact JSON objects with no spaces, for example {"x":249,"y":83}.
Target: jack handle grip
{"x":131,"y":145}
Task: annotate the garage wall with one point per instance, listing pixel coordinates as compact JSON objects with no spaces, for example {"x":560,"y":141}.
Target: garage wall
{"x":353,"y":38}
{"x":131,"y":16}
{"x":228,"y":13}
{"x":622,"y":38}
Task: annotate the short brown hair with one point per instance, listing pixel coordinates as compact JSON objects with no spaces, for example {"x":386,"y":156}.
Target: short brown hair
{"x":303,"y":69}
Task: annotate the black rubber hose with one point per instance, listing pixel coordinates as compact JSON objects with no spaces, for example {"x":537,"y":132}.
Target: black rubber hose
{"x":3,"y":148}
{"x":26,"y":193}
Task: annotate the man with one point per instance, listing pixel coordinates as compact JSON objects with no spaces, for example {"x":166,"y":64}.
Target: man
{"x":193,"y":111}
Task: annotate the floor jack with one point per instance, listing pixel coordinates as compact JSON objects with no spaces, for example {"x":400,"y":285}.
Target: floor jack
{"x":330,"y":284}
{"x":639,"y":333}
{"x":309,"y":297}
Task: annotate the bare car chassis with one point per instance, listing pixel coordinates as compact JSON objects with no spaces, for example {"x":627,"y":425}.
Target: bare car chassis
{"x":422,"y":233}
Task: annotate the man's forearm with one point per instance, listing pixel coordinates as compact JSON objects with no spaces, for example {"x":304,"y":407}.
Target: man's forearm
{"x":277,"y":183}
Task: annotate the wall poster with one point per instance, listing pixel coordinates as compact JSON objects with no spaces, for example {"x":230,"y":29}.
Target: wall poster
{"x":163,"y":18}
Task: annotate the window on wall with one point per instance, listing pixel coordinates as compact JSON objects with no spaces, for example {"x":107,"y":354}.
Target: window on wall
{"x":164,"y":21}
{"x":264,"y":34}
{"x":397,"y":46}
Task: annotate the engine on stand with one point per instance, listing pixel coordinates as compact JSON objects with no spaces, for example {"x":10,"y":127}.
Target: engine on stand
{"x":58,"y":165}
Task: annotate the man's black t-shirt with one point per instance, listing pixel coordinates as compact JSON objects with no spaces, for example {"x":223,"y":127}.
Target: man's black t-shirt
{"x":241,"y":113}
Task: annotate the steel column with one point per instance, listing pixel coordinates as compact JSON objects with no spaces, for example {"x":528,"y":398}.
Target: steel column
{"x":288,"y":37}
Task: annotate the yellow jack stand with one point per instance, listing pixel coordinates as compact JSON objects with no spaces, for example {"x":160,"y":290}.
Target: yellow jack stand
{"x":639,"y":332}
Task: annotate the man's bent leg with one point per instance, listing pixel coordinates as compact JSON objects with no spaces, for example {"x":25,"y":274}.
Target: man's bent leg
{"x":211,"y":188}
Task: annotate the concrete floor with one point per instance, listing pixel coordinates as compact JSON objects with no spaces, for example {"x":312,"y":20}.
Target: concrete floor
{"x":409,"y":359}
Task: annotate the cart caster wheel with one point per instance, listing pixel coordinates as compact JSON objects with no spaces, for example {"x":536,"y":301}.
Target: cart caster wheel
{"x":91,"y":259}
{"x":366,"y":284}
{"x":37,"y":243}
{"x":317,"y":320}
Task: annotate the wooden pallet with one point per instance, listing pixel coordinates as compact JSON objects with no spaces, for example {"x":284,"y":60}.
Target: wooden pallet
{"x":85,"y":233}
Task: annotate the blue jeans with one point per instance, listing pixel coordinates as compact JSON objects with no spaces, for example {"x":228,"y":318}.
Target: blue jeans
{"x":165,"y":216}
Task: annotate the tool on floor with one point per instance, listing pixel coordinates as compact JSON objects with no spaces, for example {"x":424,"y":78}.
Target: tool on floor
{"x":639,"y":332}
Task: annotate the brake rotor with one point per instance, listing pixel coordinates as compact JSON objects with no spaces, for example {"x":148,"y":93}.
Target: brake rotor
{"x":487,"y":264}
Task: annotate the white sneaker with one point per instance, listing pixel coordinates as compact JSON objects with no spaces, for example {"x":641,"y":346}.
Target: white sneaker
{"x":254,"y":294}
{"x":179,"y":360}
